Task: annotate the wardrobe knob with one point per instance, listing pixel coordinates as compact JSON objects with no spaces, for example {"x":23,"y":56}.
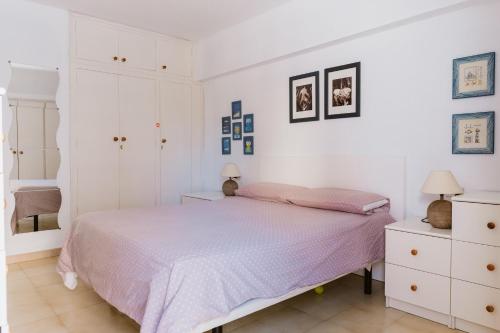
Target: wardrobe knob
{"x":14,"y":152}
{"x":164,"y":67}
{"x":490,"y":308}
{"x":124,"y":138}
{"x":491,"y":225}
{"x":124,"y":59}
{"x":163,"y":140}
{"x":115,"y":58}
{"x":115,"y":138}
{"x":490,"y":267}
{"x":414,"y":252}
{"x":413,"y":287}
{"x":21,"y":152}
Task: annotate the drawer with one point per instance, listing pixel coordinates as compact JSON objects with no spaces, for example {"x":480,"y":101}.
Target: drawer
{"x":477,"y":223}
{"x":423,"y":289}
{"x":475,"y":303}
{"x":425,"y":253}
{"x":476,"y":263}
{"x":189,"y":200}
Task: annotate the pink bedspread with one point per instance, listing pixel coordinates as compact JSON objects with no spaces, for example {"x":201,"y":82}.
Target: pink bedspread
{"x":173,"y":267}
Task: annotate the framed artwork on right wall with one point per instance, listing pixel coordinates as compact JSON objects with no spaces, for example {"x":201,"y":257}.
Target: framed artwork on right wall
{"x":343,"y":91}
{"x":474,"y":76}
{"x":473,"y":133}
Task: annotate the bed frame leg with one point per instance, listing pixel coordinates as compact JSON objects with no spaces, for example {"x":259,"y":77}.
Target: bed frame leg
{"x":368,"y":281}
{"x":217,"y":329}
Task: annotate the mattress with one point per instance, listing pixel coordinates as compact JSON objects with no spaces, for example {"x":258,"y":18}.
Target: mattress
{"x":171,"y":268}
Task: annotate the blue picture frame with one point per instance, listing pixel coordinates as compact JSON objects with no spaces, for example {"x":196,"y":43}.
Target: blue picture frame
{"x":248,"y":145}
{"x":226,"y":146}
{"x":236,"y":109}
{"x":226,"y":125}
{"x":467,"y":128}
{"x":237,"y":130}
{"x":248,"y":123}
{"x":473,"y":74}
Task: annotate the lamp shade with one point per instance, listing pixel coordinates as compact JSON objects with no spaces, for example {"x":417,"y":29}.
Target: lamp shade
{"x":230,"y":170}
{"x":441,"y":182}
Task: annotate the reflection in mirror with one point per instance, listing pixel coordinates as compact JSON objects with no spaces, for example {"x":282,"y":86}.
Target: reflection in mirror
{"x":32,"y":139}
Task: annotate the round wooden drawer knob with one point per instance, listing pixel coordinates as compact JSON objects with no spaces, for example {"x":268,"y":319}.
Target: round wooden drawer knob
{"x":115,"y":138}
{"x":491,"y":225}
{"x":124,"y":59}
{"x":490,"y":308}
{"x":414,"y":252}
{"x":413,"y":288}
{"x":490,"y":267}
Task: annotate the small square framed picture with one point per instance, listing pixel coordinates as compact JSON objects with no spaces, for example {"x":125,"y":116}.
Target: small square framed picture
{"x":473,"y":133}
{"x":226,"y":146}
{"x":342,"y":91}
{"x":474,"y":76}
{"x":248,"y":123}
{"x":226,"y":125}
{"x":236,"y":109}
{"x":304,"y":97}
{"x":248,"y":145}
{"x":237,"y":130}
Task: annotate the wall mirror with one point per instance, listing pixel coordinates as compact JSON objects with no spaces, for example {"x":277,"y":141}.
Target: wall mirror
{"x":32,"y":140}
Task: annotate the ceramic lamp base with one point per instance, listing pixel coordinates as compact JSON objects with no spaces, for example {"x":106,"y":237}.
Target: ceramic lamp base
{"x":229,"y":187}
{"x":439,"y":214}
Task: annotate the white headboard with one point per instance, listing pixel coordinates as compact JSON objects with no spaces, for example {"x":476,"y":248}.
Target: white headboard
{"x":378,"y":174}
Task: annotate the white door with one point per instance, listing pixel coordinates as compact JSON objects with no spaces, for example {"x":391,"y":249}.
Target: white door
{"x":137,"y":50}
{"x":51,"y":124}
{"x":95,"y":41}
{"x":174,"y":56}
{"x":97,"y":153}
{"x":52,"y":161}
{"x":138,"y":140}
{"x":175,"y":124}
{"x":30,"y":139}
{"x":13,"y":139}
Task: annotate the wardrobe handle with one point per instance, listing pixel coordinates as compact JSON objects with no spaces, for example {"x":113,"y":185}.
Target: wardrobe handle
{"x":490,"y":267}
{"x":115,"y":58}
{"x":21,"y":152}
{"x":14,"y":152}
{"x":164,"y":67}
{"x":115,"y":138}
{"x":124,"y":138}
{"x":414,"y":252}
{"x":490,"y":308}
{"x":491,"y":225}
{"x":413,"y":287}
{"x":163,"y":140}
{"x":124,"y":59}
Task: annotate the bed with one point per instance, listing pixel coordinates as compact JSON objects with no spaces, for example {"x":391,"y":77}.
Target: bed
{"x":179,"y":269}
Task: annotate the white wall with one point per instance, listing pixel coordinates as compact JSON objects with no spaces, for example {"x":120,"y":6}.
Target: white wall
{"x":406,"y":104}
{"x":36,"y":35}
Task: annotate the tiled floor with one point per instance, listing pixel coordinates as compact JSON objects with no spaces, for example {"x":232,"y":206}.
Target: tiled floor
{"x":38,"y":302}
{"x":45,"y":222}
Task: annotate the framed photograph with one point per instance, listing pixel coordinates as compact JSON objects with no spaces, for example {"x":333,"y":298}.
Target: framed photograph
{"x":248,"y":145}
{"x":237,"y":130}
{"x":226,"y":125}
{"x":304,"y":97}
{"x":342,"y":91}
{"x":226,"y":146}
{"x":474,"y":133}
{"x":236,"y":109}
{"x":474,"y":76}
{"x":248,"y":123}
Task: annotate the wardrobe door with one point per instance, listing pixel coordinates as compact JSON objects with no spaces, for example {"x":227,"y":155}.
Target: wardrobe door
{"x":95,"y":41}
{"x":14,"y":174}
{"x":175,"y":118}
{"x":30,"y":139}
{"x":137,"y":50}
{"x":174,"y":56}
{"x":97,"y":152}
{"x":52,"y":158}
{"x":138,"y":141}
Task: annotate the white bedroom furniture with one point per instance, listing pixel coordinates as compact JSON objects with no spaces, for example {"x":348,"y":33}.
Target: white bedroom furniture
{"x":449,"y":276}
{"x":441,"y":182}
{"x":202,"y":196}
{"x":475,"y":270}
{"x":136,"y":117}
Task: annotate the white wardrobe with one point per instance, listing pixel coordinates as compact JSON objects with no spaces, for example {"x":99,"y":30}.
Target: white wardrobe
{"x":136,"y":117}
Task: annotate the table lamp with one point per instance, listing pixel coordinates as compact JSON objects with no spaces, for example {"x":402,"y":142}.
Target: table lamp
{"x":439,"y":212}
{"x":230,"y":171}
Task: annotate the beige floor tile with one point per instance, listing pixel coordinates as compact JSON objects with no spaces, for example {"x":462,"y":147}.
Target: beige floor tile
{"x":412,"y":324}
{"x":46,"y":279}
{"x":64,"y":300}
{"x":98,"y":318}
{"x":319,"y":306}
{"x":285,"y":320}
{"x":26,"y":307}
{"x":13,"y":268}
{"x":48,"y":325}
{"x":37,"y":267}
{"x":17,"y":281}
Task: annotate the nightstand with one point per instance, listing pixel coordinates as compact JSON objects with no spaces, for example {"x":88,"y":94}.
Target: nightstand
{"x":418,"y":269}
{"x":201,"y":196}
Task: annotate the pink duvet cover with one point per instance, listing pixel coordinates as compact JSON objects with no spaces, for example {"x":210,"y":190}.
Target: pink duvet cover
{"x":173,"y":267}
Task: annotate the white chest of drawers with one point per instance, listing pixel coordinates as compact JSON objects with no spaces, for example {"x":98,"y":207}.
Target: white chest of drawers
{"x":449,"y":276}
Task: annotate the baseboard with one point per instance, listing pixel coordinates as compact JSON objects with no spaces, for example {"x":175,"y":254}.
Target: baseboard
{"x":33,"y":256}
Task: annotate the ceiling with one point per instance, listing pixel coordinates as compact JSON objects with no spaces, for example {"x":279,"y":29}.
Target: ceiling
{"x":189,"y":19}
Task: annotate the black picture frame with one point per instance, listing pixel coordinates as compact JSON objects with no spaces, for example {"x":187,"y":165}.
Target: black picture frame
{"x":236,"y":109}
{"x":226,"y":145}
{"x":226,"y":125}
{"x":248,"y":145}
{"x":356,"y":89}
{"x":237,"y":130}
{"x":248,"y":123}
{"x":314,"y":104}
